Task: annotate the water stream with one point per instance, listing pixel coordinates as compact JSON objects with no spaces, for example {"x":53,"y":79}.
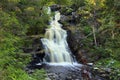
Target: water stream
{"x":55,"y":44}
{"x":60,"y":64}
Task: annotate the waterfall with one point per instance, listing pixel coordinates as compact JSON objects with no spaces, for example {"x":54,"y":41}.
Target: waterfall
{"x":55,"y":44}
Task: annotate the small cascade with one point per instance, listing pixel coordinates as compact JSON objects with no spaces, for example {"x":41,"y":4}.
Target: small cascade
{"x":59,"y":62}
{"x":55,"y":44}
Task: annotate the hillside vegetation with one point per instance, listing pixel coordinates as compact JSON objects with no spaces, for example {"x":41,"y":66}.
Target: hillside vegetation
{"x":97,"y":24}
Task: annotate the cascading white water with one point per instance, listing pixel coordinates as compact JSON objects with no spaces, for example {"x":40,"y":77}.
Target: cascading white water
{"x":55,"y":44}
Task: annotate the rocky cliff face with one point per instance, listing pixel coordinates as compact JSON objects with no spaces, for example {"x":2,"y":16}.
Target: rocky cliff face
{"x":69,"y":20}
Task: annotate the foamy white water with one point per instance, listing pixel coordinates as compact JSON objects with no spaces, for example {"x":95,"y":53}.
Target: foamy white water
{"x":55,"y":44}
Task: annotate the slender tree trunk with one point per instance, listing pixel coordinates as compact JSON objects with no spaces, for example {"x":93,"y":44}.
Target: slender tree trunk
{"x":112,"y":32}
{"x":94,"y":27}
{"x":94,"y":35}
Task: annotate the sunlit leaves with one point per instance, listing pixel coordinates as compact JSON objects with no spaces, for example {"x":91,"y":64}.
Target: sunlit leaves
{"x":96,"y":2}
{"x":30,"y":9}
{"x":92,"y":2}
{"x":10,"y":24}
{"x":52,"y":2}
{"x":14,"y":1}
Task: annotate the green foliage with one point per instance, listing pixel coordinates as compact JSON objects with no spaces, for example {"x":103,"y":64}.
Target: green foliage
{"x":22,"y":18}
{"x":111,"y":64}
{"x":102,"y":16}
{"x":39,"y":74}
{"x":63,"y":2}
{"x":11,"y":63}
{"x":15,"y":73}
{"x":15,"y":22}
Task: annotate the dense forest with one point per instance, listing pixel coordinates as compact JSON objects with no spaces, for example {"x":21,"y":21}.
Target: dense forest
{"x":93,"y":28}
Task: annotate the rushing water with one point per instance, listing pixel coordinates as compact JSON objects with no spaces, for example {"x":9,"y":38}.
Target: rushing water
{"x":60,"y":63}
{"x":55,"y":44}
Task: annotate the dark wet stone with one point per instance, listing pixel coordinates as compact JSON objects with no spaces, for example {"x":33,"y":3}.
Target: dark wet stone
{"x":55,"y":7}
{"x":63,"y":72}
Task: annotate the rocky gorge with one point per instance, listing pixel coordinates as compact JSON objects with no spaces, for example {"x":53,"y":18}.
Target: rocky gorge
{"x":86,"y":33}
{"x":85,"y":70}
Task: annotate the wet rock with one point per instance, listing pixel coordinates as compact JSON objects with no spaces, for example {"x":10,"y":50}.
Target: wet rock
{"x":95,"y":68}
{"x":27,"y":50}
{"x":90,"y":64}
{"x":101,"y":73}
{"x":55,"y":7}
{"x":63,"y":72}
{"x":108,"y":70}
{"x":30,"y":71}
{"x":64,"y":18}
{"x":47,"y":79}
{"x":99,"y":78}
{"x":69,"y":78}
